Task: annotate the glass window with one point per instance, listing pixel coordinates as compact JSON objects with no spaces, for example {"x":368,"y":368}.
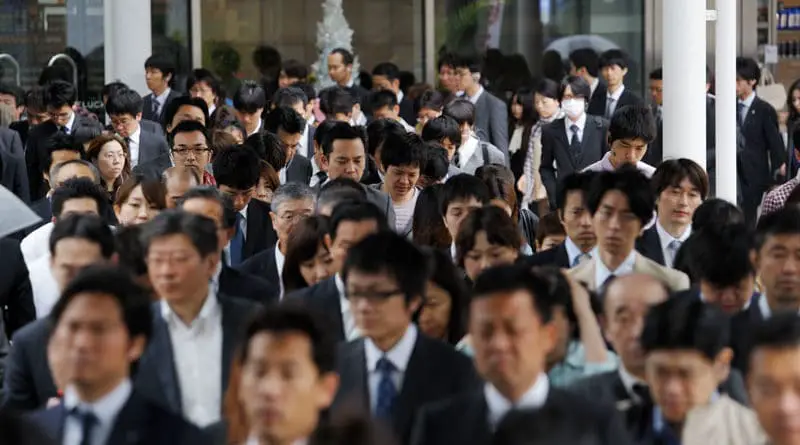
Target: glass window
{"x":170,"y":25}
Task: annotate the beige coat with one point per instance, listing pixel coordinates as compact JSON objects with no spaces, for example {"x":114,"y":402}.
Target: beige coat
{"x":723,"y":422}
{"x":676,"y":280}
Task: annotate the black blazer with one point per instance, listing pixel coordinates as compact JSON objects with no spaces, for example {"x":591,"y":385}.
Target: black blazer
{"x":11,"y":142}
{"x":260,"y":233}
{"x":299,"y":170}
{"x":655,"y":149}
{"x":463,"y":419}
{"x":597,"y":105}
{"x":16,"y":296}
{"x":407,"y":112}
{"x":246,"y":286}
{"x":262,"y":265}
{"x":151,"y":146}
{"x":763,"y":152}
{"x":14,"y":175}
{"x":323,"y":297}
{"x":555,"y":256}
{"x":649,"y":245}
{"x":157,"y":377}
{"x":147,"y":106}
{"x":151,"y":127}
{"x":154,"y":168}
{"x":22,"y":128}
{"x":435,"y":372}
{"x":140,"y":422}
{"x":555,"y":148}
{"x":742,"y":325}
{"x":28,"y":383}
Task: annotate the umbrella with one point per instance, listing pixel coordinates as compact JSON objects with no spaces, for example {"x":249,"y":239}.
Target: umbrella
{"x":14,"y":214}
{"x":566,"y":45}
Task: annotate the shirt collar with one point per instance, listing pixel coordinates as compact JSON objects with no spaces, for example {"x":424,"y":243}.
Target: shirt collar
{"x":399,"y":355}
{"x":747,"y":102}
{"x":594,"y":84}
{"x":573,"y":251}
{"x":162,"y":98}
{"x":499,"y":405}
{"x":467,"y":149}
{"x":453,"y":250}
{"x":71,"y":121}
{"x":628,"y":380}
{"x":617,"y":94}
{"x":258,"y":128}
{"x":581,"y":123}
{"x":626,"y":267}
{"x":474,"y":98}
{"x":215,"y":278}
{"x":400,"y":96}
{"x":280,"y":259}
{"x":666,"y":238}
{"x":210,"y":308}
{"x":134,"y":137}
{"x":105,"y":408}
{"x":763,"y":306}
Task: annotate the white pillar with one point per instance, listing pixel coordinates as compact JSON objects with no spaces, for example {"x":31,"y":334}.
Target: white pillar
{"x":726,"y":100}
{"x":684,"y":110}
{"x":128,"y":42}
{"x":429,"y":35}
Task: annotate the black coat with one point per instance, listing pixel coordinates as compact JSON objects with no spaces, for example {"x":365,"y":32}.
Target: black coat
{"x":323,"y":297}
{"x":260,"y":233}
{"x":14,"y":175}
{"x":556,"y":256}
{"x":262,"y":265}
{"x":147,"y":106}
{"x":597,"y":105}
{"x":154,"y":168}
{"x":649,"y":245}
{"x":27,"y":383}
{"x":299,"y":170}
{"x":246,"y":286}
{"x":742,"y":326}
{"x":16,"y":296}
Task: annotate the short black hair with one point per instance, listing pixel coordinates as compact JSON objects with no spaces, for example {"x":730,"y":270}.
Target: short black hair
{"x":579,"y":87}
{"x":470,"y":62}
{"x":268,"y":147}
{"x":403,"y":150}
{"x":347,"y":56}
{"x":446,"y":58}
{"x":462,"y":111}
{"x":60,"y":141}
{"x":250,"y":97}
{"x":130,"y":253}
{"x":295,"y":69}
{"x":441,"y":128}
{"x":657,"y":74}
{"x":632,"y":122}
{"x":334,"y":100}
{"x":59,"y":94}
{"x":388,"y":70}
{"x":134,"y":301}
{"x":339,"y":190}
{"x":124,"y":101}
{"x":35,"y":99}
{"x":13,"y":90}
{"x":188,"y":127}
{"x":461,"y":187}
{"x":500,"y":230}
{"x":781,"y":331}
{"x":289,"y":96}
{"x":547,"y":88}
{"x":432,"y":100}
{"x":211,"y":193}
{"x":356,"y":212}
{"x":671,"y":172}
{"x":382,"y":98}
{"x":614,"y":57}
{"x":286,"y":119}
{"x":517,"y":277}
{"x":575,"y":182}
{"x":586,"y":58}
{"x":437,"y":165}
{"x":390,"y":253}
{"x":716,"y":212}
{"x":175,"y":104}
{"x":86,"y":227}
{"x":377,"y":132}
{"x":237,"y":167}
{"x":785,"y":221}
{"x":292,"y":318}
{"x":203,"y":75}
{"x":307,"y":89}
{"x":201,"y":231}
{"x":747,"y":69}
{"x":322,"y":131}
{"x":341,"y":130}
{"x":630,"y":182}
{"x":686,"y":324}
{"x":77,"y":188}
{"x":733,"y":243}
{"x":162,"y":63}
{"x":112,"y":87}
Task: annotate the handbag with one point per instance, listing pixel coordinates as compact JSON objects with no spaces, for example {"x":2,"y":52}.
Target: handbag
{"x":771,"y":92}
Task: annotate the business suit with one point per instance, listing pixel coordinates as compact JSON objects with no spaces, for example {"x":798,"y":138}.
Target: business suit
{"x":557,"y":159}
{"x":262,"y":265}
{"x":157,"y":377}
{"x":760,"y":154}
{"x":151,"y":146}
{"x":463,"y":419}
{"x":649,"y":245}
{"x":23,"y":129}
{"x":655,"y":149}
{"x":28,"y":383}
{"x":555,"y":256}
{"x":491,"y":118}
{"x":249,"y":287}
{"x":260,"y":234}
{"x":585,"y":272}
{"x":14,"y":175}
{"x":139,"y":422}
{"x":147,"y":106}
{"x":742,"y":325}
{"x":598,"y":105}
{"x":299,"y":170}
{"x":154,"y":168}
{"x":407,"y":112}
{"x":11,"y":142}
{"x":16,"y":296}
{"x":151,"y":127}
{"x":323,"y":297}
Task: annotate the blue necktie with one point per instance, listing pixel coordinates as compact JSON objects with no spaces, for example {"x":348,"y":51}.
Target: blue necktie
{"x":88,"y":423}
{"x":237,"y":243}
{"x":386,"y":389}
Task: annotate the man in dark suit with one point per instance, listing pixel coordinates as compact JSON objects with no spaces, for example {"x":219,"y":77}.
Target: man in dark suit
{"x":10,"y":142}
{"x":159,"y":74}
{"x":386,"y":76}
{"x":491,"y":113}
{"x":249,"y":102}
{"x":585,"y":62}
{"x":124,"y":107}
{"x":16,"y":296}
{"x":506,"y":299}
{"x":236,"y":172}
{"x":60,"y":98}
{"x":190,"y":149}
{"x":655,"y":150}
{"x":349,"y":224}
{"x":297,"y":99}
{"x":393,"y":369}
{"x":761,"y":155}
{"x":574,"y":142}
{"x":340,"y":70}
{"x":169,"y":371}
{"x":288,"y":125}
{"x":107,"y":296}
{"x":613,"y":68}
{"x":210,"y":202}
{"x":14,"y":175}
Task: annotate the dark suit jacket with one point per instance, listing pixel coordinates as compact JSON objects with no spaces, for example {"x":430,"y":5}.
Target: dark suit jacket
{"x":555,"y":147}
{"x":323,"y":297}
{"x":655,"y":149}
{"x":147,"y":106}
{"x":11,"y":142}
{"x":140,"y":422}
{"x":491,"y":119}
{"x":763,"y":150}
{"x":742,"y":325}
{"x":151,"y":127}
{"x":151,"y":146}
{"x":14,"y":175}
{"x":407,"y":112}
{"x":435,"y":372}
{"x":22,"y":128}
{"x":249,"y":287}
{"x":28,"y":383}
{"x":555,"y":256}
{"x":597,"y":105}
{"x":649,"y":245}
{"x":260,"y":233}
{"x":384,"y":202}
{"x":299,"y":170}
{"x":16,"y":296}
{"x":262,"y":265}
{"x":154,"y":168}
{"x":463,"y":419}
{"x":157,"y":377}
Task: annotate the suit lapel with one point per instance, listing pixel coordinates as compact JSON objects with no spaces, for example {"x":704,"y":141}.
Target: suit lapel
{"x":229,"y":331}
{"x":52,"y":421}
{"x":562,"y":257}
{"x":650,"y":245}
{"x":354,"y":376}
{"x":559,"y":126}
{"x":127,"y":425}
{"x":164,"y":361}
{"x":255,"y":227}
{"x":413,"y":385}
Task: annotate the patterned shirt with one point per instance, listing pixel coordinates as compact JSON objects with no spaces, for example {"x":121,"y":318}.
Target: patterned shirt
{"x":776,"y":199}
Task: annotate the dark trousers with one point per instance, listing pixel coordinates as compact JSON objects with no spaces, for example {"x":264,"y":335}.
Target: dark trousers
{"x":749,"y":197}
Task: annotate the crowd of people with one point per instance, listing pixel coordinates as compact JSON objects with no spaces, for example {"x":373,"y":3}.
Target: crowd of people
{"x":411,"y":265}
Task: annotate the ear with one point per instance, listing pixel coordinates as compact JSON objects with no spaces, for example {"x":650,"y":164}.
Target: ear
{"x":328,"y":242}
{"x":136,"y":349}
{"x":414,"y":305}
{"x":722,"y":364}
{"x":396,"y":84}
{"x":550,"y":337}
{"x":273,"y":217}
{"x":323,"y":161}
{"x":211,"y":263}
{"x":755,"y":260}
{"x":624,"y":72}
{"x":328,"y":386}
{"x":396,"y":109}
{"x":138,"y":117}
{"x":117,"y":209}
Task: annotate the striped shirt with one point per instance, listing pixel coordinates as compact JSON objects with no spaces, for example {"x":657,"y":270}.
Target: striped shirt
{"x":404,"y":214}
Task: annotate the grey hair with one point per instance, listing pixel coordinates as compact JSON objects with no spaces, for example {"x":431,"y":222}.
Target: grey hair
{"x":57,"y":168}
{"x":291,"y":191}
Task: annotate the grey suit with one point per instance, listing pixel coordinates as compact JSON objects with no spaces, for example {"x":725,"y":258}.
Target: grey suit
{"x":377,"y":197}
{"x":147,"y":106}
{"x":491,"y":119}
{"x":154,"y":168}
{"x":495,"y":156}
{"x":151,"y":146}
{"x":14,"y":175}
{"x":11,"y":142}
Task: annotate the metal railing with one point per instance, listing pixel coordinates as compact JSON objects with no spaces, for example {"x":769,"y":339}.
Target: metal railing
{"x":66,"y":57}
{"x":13,"y":61}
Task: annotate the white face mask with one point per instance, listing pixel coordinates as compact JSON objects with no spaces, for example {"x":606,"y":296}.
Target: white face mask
{"x":574,"y":107}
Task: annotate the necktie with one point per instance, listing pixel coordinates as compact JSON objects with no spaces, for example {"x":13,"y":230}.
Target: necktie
{"x":580,"y":258}
{"x":673,"y":248}
{"x":610,"y":101}
{"x":739,"y":123}
{"x":386,"y":389}
{"x":575,"y":144}
{"x":65,"y":129}
{"x":155,"y":106}
{"x":643,"y":393}
{"x":88,"y":422}
{"x":237,"y":243}
{"x":318,"y":178}
{"x":456,"y":160}
{"x":739,"y":113}
{"x":602,"y":288}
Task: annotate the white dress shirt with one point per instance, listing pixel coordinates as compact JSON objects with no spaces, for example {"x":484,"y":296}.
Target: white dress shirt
{"x":161,"y":99}
{"x":498,"y":406}
{"x":104,"y":409}
{"x":36,"y":244}
{"x":280,"y":260}
{"x":400,"y":96}
{"x":474,"y":98}
{"x":666,"y":239}
{"x":581,"y":123}
{"x":70,"y":123}
{"x":133,"y":146}
{"x":593,"y":85}
{"x":348,"y":321}
{"x":302,"y":147}
{"x":258,"y":128}
{"x":628,"y":381}
{"x":399,"y":356}
{"x":197,"y":350}
{"x":44,"y":286}
{"x":615,"y":97}
{"x":602,"y":272}
{"x":467,"y":150}
{"x":604,"y":165}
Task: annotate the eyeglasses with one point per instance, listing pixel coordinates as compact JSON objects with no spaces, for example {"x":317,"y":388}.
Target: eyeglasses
{"x":372,"y":296}
{"x":183,"y":151}
{"x":124,"y":121}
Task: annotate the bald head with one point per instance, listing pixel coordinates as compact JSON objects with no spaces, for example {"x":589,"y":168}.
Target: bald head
{"x":178,"y":181}
{"x":634,"y":287}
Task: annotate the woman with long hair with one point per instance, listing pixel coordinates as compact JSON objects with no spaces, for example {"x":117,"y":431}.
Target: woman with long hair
{"x":442,"y":316}
{"x":521,"y":119}
{"x":308,"y":260}
{"x":427,"y":224}
{"x":139,"y":200}
{"x":109,"y":153}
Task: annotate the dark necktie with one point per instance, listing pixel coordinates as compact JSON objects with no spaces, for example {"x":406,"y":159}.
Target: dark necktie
{"x":155,"y":106}
{"x":456,"y":160}
{"x":64,"y":129}
{"x":88,"y":422}
{"x":610,"y":101}
{"x":386,"y":389}
{"x":575,"y":144}
{"x":739,"y":124}
{"x":237,"y":242}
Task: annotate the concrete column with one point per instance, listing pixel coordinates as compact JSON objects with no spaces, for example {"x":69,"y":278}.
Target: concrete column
{"x":128,"y":42}
{"x":685,"y":80}
{"x":726,"y":100}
